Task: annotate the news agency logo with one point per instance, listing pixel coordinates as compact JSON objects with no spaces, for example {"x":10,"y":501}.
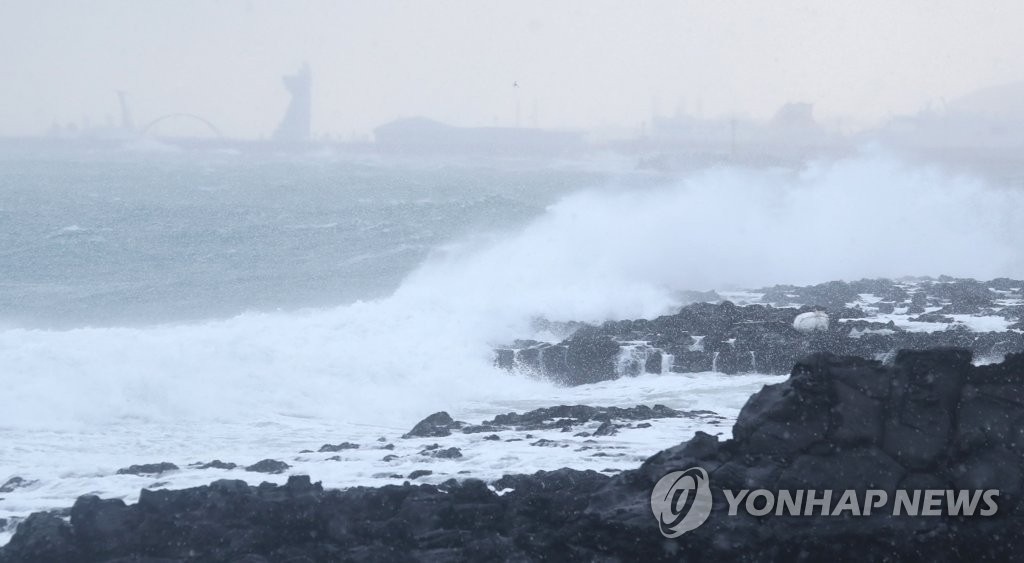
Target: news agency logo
{"x":681,"y":501}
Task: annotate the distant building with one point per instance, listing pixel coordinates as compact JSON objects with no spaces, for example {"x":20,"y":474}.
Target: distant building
{"x":795,"y":115}
{"x":793,"y":131}
{"x":422,"y":135}
{"x":295,"y":127}
{"x":990,"y":118}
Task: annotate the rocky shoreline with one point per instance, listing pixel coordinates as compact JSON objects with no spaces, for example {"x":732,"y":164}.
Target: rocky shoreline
{"x":868,"y":318}
{"x":930,"y":420}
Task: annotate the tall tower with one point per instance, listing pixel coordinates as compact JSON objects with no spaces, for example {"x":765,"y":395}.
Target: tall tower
{"x":295,"y":126}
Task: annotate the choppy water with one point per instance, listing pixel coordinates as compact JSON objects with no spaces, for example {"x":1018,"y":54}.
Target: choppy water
{"x":113,"y":238}
{"x":149,"y":300}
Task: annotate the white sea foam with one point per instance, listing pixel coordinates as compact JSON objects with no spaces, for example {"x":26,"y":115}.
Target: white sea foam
{"x":605,"y":253}
{"x":79,"y":403}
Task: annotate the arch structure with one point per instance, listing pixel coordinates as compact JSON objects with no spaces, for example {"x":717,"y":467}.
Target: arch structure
{"x":192,"y":116}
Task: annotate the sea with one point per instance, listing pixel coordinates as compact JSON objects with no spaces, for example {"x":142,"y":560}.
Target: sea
{"x":161,"y":303}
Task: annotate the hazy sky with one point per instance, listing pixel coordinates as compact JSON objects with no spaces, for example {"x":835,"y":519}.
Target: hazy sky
{"x":580,"y":63}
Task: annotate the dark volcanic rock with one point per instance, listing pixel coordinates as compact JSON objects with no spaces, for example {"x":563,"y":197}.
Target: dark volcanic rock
{"x":606,"y":429}
{"x":148,"y":469}
{"x":963,"y":294}
{"x":831,"y":295}
{"x":731,"y":339}
{"x":43,"y":536}
{"x":420,"y":473}
{"x":434,"y":426}
{"x":589,"y":359}
{"x":566,"y":416}
{"x":268,"y":466}
{"x":935,"y":317}
{"x":14,"y":483}
{"x":445,"y":453}
{"x":338,"y":447}
{"x":1014,"y":312}
{"x":930,"y":420}
{"x":215,"y":464}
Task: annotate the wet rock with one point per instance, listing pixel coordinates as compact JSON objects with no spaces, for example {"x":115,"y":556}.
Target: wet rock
{"x":15,"y":483}
{"x":389,"y":457}
{"x":268,"y":466}
{"x":42,"y":537}
{"x":589,"y":359}
{"x":1012,"y":313}
{"x":857,"y":417}
{"x":961,"y":309}
{"x":554,"y":418}
{"x":758,"y":338}
{"x":963,"y":293}
{"x":919,"y":299}
{"x":932,"y":318}
{"x":420,"y":473}
{"x":436,"y":425}
{"x":215,"y":464}
{"x":338,"y":447}
{"x":829,"y":295}
{"x":446,"y":453}
{"x":148,"y":469}
{"x":606,"y":429}
{"x":654,"y":362}
{"x":885,"y":308}
{"x":481,"y":428}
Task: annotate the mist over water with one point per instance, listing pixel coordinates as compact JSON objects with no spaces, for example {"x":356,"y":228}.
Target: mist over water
{"x":620,"y":249}
{"x":624,"y":252}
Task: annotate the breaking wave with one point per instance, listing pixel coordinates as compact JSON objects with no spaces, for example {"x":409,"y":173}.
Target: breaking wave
{"x":612,"y":252}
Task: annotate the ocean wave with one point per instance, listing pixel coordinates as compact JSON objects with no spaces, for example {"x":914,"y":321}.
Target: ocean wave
{"x":613,"y":252}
